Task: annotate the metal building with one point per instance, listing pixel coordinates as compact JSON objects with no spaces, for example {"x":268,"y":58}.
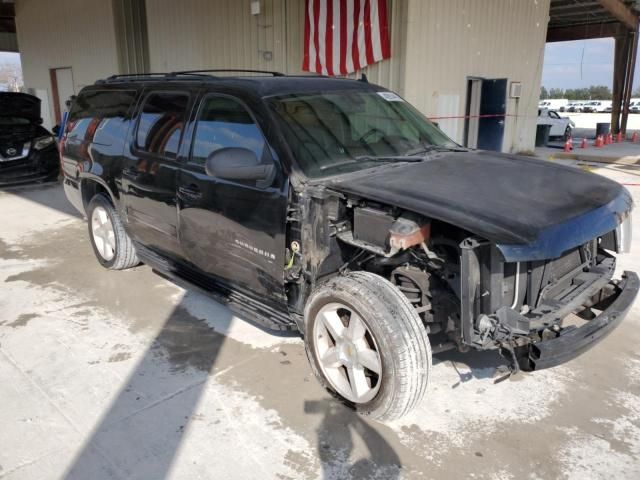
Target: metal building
{"x":473,"y":66}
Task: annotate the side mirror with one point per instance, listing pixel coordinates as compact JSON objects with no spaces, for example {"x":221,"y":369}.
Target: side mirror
{"x":56,"y":130}
{"x":237,"y":164}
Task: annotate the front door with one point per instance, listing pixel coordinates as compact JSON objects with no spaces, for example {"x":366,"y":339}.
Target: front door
{"x":233,"y":230}
{"x":62,"y":89}
{"x":493,"y":103}
{"x":149,"y":174}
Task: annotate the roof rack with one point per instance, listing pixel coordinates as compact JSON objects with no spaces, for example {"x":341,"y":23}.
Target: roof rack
{"x":239,"y":70}
{"x":184,"y":75}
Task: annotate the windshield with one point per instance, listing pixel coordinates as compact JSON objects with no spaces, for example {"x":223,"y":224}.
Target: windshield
{"x":14,"y":121}
{"x":344,"y":131}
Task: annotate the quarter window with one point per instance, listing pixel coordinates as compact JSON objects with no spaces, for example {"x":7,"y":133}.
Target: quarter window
{"x":224,"y":122}
{"x":161,"y":123}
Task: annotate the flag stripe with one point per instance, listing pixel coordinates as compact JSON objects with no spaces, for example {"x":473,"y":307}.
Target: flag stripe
{"x":328,"y":58}
{"x":342,"y":36}
{"x":337,"y":32}
{"x":305,"y":58}
{"x":316,"y":41}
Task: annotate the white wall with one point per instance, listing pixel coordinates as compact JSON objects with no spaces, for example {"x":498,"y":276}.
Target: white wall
{"x":65,"y":33}
{"x":449,"y":40}
{"x":436,"y":45}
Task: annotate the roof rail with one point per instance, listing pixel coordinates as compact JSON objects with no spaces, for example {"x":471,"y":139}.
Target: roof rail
{"x":220,"y":70}
{"x":151,"y":75}
{"x":185,"y":73}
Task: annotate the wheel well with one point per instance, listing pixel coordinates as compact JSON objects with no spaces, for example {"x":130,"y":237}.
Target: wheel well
{"x":90,"y":189}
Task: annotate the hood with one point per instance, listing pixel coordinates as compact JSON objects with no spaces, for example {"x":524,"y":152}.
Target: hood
{"x":533,"y":209}
{"x":20,"y":105}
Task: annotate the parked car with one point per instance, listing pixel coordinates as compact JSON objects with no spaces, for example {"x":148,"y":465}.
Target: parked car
{"x":560,"y":126}
{"x":634,"y":106}
{"x":554,"y":104}
{"x":332,"y":207}
{"x":597,"y":106}
{"x":28,"y":151}
{"x":575,"y":107}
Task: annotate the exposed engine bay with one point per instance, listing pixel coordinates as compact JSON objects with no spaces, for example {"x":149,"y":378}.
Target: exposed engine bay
{"x":465,"y":292}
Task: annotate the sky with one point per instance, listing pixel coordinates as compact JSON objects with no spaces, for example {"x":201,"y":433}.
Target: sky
{"x":581,"y":63}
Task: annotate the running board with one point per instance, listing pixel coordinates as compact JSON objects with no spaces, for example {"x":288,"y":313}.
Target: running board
{"x":251,"y":310}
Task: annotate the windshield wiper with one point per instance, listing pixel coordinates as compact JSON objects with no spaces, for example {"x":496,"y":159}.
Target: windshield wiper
{"x":388,"y":158}
{"x":424,"y":149}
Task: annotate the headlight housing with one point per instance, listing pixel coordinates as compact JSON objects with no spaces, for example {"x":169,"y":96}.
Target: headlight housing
{"x":624,"y":236}
{"x":43,"y":142}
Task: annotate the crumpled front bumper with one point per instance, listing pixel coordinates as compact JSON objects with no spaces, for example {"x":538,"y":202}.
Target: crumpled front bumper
{"x":573,"y":341}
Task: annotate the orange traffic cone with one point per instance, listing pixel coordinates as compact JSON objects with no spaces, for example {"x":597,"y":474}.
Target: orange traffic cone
{"x":634,"y":137}
{"x":568,"y":145}
{"x":610,"y":138}
{"x":619,"y":137}
{"x":584,"y":143}
{"x":598,"y":142}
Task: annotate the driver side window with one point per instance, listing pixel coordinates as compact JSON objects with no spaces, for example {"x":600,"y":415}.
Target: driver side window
{"x":224,"y":122}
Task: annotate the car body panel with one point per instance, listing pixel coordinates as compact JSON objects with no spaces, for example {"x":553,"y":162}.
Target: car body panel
{"x":503,"y":198}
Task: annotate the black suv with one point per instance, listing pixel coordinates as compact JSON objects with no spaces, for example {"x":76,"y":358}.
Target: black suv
{"x":332,"y":207}
{"x":28,"y":152}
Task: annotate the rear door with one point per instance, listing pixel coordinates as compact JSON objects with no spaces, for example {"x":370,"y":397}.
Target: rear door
{"x":150,"y":169}
{"x":233,"y":230}
{"x":493,"y":109}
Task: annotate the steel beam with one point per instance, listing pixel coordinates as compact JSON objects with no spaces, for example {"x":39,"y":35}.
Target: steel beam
{"x":623,"y":13}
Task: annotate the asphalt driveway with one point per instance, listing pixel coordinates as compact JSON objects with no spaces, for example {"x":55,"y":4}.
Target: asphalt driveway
{"x":124,"y":375}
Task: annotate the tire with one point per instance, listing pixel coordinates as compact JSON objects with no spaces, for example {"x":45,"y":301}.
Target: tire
{"x":120,"y":253}
{"x":567,"y":134}
{"x":394,"y":330}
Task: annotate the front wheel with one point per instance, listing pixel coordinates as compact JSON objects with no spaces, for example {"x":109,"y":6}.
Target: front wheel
{"x":567,"y":134}
{"x":111,"y":244}
{"x":367,"y":345}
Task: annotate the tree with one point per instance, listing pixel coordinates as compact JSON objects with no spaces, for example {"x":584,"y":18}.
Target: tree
{"x":636,"y":92}
{"x":10,"y":76}
{"x":556,"y":93}
{"x":600,"y":92}
{"x":544,"y":94}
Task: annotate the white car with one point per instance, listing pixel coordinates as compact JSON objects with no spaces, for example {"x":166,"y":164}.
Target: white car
{"x":634,"y":107}
{"x":560,"y":126}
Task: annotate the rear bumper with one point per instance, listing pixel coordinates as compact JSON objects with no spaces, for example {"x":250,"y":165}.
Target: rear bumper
{"x":573,"y":341}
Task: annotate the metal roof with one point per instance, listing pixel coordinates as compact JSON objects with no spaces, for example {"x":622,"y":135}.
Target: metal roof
{"x":571,"y":13}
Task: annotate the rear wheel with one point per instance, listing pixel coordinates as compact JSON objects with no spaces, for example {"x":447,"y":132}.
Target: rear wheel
{"x":367,"y":345}
{"x":111,"y":244}
{"x":567,"y":133}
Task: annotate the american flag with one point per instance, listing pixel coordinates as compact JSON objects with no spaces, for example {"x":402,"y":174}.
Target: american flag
{"x":342,"y":36}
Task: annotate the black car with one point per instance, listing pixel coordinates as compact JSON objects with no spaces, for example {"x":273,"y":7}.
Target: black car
{"x":332,"y":207}
{"x":28,"y":152}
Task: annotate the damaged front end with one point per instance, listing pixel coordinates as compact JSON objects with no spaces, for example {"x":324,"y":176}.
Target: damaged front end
{"x":542,"y":313}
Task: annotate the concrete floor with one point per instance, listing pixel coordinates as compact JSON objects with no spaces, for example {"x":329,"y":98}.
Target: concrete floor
{"x":123,"y":375}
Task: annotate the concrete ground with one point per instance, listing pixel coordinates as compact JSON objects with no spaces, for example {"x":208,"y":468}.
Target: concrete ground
{"x":123,"y":375}
{"x":589,"y":120}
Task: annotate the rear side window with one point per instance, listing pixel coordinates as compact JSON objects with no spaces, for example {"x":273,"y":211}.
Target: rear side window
{"x":100,"y":116}
{"x":161,"y":123}
{"x":224,"y":122}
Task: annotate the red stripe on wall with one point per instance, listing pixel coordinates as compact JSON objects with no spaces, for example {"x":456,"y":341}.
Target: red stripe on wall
{"x":307,"y":28}
{"x":328,"y":60}
{"x":385,"y":41}
{"x":316,"y":14}
{"x":368,"y":44}
{"x":355,"y":52}
{"x":343,"y":37}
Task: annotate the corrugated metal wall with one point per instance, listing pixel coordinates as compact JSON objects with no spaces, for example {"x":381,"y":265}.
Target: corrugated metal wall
{"x":436,"y":45}
{"x":223,"y":34}
{"x":70,"y":33}
{"x":449,"y":40}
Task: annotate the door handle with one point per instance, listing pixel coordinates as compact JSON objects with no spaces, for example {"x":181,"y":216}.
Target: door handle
{"x":190,"y":192}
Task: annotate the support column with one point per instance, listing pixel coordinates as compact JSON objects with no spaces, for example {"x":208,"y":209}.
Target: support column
{"x":619,"y":76}
{"x":631,"y":67}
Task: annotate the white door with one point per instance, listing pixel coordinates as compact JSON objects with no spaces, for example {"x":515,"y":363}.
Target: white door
{"x":65,"y":89}
{"x":557,"y":125}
